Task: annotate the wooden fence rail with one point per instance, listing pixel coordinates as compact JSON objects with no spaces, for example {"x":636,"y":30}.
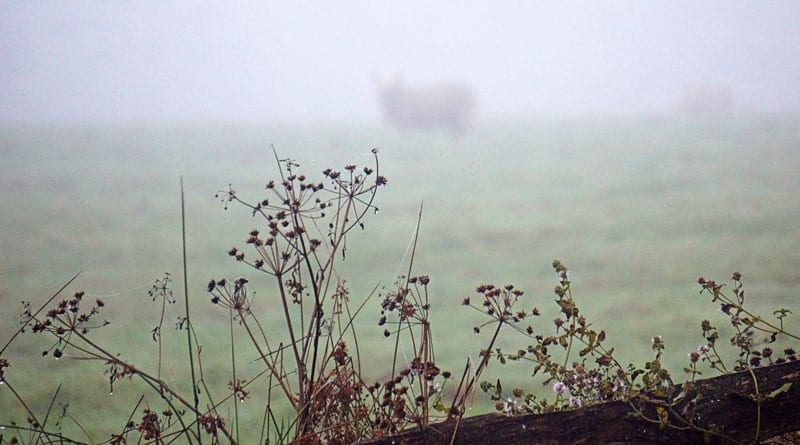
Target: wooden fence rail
{"x":744,"y":407}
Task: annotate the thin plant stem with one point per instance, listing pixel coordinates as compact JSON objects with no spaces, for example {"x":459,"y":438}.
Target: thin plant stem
{"x":234,"y":376}
{"x":571,"y":329}
{"x":408,"y":275}
{"x":49,"y":410}
{"x":484,"y":362}
{"x":272,"y":367}
{"x":758,"y":405}
{"x":56,"y":437}
{"x":22,"y":402}
{"x":188,"y":319}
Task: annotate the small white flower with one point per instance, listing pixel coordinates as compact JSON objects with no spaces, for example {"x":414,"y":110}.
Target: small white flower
{"x":575,"y":402}
{"x":656,"y":339}
{"x":559,"y":388}
{"x":510,"y":406}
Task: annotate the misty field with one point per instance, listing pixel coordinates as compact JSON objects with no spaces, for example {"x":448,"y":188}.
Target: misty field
{"x":637,"y":208}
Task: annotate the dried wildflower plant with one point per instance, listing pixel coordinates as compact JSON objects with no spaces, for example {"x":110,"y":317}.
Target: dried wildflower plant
{"x":413,"y":394}
{"x":581,"y":370}
{"x":312,"y":363}
{"x":70,"y":324}
{"x":573,"y":359}
{"x":753,"y":335}
{"x":304,"y":234}
{"x":315,"y":368}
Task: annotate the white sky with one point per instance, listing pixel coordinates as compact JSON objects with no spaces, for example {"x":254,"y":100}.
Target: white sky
{"x":114,"y":61}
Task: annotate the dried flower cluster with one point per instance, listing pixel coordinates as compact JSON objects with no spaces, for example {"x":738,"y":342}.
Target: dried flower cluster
{"x":65,"y":319}
{"x":747,"y":327}
{"x":413,"y":394}
{"x":306,"y":224}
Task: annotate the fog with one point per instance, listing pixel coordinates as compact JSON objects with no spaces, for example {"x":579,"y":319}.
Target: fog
{"x":177,"y":61}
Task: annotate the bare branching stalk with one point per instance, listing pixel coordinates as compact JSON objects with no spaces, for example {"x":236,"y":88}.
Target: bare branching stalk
{"x":289,"y":251}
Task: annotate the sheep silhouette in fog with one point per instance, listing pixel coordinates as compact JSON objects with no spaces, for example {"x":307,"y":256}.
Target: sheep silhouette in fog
{"x":706,"y":101}
{"x":448,"y":106}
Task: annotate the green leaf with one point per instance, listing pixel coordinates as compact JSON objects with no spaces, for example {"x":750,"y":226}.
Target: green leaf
{"x":663,"y":417}
{"x":781,"y":390}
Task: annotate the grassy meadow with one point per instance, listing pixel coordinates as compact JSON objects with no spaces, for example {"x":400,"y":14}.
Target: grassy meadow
{"x":638,"y":208}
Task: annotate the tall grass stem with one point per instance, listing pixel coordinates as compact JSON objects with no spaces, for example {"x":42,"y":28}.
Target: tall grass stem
{"x":189,"y":320}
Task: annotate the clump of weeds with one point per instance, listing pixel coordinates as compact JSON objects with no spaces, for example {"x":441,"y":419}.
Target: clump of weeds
{"x":311,"y":365}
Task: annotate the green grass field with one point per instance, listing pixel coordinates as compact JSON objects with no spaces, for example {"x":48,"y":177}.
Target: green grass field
{"x":638,"y":208}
